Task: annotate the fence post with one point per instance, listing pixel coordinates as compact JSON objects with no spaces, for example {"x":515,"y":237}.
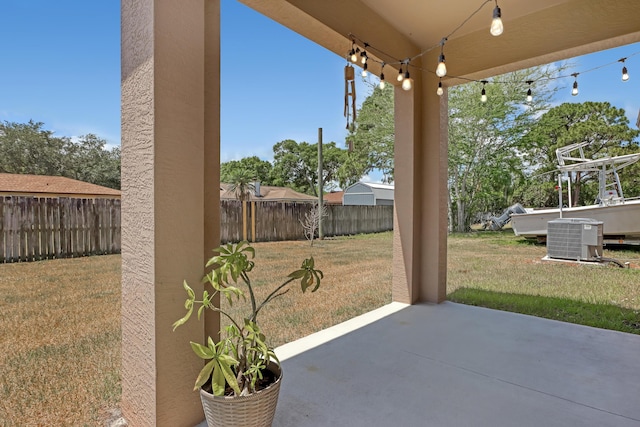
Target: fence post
{"x":320,"y":185}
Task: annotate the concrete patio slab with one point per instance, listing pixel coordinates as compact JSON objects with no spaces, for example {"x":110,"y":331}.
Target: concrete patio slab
{"x":458,"y":365}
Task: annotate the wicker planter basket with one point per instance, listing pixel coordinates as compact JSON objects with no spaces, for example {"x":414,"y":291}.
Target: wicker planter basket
{"x":255,"y":410}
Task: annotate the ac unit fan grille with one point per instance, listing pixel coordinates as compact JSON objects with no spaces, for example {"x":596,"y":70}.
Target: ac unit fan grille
{"x":574,"y":238}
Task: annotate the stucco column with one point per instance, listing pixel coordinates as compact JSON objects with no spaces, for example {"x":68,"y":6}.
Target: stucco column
{"x":420,"y":222}
{"x":434,"y":190}
{"x":170,"y":207}
{"x":407,"y":196}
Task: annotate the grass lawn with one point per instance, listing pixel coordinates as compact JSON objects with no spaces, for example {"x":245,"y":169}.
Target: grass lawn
{"x":60,"y":319}
{"x":499,"y":270}
{"x":60,"y":340}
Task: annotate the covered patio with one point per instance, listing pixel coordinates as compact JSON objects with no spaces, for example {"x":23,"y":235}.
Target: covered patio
{"x":425,"y":364}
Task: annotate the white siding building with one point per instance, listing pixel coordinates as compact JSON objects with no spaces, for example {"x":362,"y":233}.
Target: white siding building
{"x":368,"y":194}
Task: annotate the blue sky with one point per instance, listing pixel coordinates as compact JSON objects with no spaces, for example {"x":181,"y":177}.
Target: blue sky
{"x":61,"y":66}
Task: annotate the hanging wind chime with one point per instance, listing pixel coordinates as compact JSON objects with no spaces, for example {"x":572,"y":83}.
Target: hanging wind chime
{"x":349,"y":96}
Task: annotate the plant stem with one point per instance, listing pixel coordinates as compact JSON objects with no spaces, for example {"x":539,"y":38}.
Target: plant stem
{"x":270,"y":297}
{"x":214,"y":308}
{"x":246,"y":279}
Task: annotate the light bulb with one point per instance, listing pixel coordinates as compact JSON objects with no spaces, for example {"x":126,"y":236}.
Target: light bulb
{"x":483,"y":96}
{"x":440,"y":91}
{"x":529,"y":96}
{"x":625,"y":74}
{"x":364,"y":70}
{"x":363,"y":58}
{"x":441,"y":70}
{"x":496,"y":24}
{"x":354,"y":55}
{"x":382,"y":83}
{"x":406,"y":83}
{"x":400,"y":75}
{"x":574,"y":91}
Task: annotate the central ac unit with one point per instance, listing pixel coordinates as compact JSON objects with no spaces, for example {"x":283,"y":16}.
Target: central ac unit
{"x":575,"y":239}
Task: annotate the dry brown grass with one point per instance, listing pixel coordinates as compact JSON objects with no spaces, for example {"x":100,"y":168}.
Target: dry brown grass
{"x":357,"y":280}
{"x":60,"y":340}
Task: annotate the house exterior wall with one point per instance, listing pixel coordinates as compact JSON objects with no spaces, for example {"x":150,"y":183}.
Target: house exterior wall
{"x":384,"y":202}
{"x":362,"y":199}
{"x":383,"y":194}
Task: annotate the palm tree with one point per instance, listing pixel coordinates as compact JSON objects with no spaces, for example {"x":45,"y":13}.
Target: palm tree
{"x":242,"y":184}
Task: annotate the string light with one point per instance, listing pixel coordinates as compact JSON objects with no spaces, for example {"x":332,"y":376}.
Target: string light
{"x":441,"y":70}
{"x":406,"y":82}
{"x":625,"y":74}
{"x":400,"y":75}
{"x":496,"y":24}
{"x":497,"y":28}
{"x":483,"y":94}
{"x":353,"y":53}
{"x":363,"y":55}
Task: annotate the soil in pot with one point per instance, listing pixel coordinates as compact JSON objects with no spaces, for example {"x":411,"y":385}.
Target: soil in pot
{"x":268,"y":378}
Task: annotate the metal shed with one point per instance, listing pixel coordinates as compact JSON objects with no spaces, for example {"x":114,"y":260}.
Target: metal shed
{"x":368,"y":194}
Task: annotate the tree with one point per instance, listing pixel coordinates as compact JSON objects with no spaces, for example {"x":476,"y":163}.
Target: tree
{"x":485,"y":155}
{"x":372,"y":140}
{"x":295,"y":165}
{"x":607,"y":130}
{"x":311,"y":222}
{"x":258,"y":168}
{"x":242,"y":184}
{"x":89,"y":161}
{"x":29,"y":149}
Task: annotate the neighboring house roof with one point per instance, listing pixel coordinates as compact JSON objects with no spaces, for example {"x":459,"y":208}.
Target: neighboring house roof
{"x":379,"y":185}
{"x":381,"y":191}
{"x":269,"y":194}
{"x":52,"y":186}
{"x":333,"y":198}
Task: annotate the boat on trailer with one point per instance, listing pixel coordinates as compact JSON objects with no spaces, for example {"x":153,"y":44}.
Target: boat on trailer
{"x":619,"y":214}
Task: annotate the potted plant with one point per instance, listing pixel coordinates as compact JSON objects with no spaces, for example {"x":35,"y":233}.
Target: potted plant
{"x":240,"y":382}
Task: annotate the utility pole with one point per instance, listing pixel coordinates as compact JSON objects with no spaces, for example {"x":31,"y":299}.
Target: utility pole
{"x":320,"y":185}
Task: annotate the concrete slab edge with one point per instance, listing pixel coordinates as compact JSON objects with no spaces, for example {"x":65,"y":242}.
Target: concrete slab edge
{"x":301,"y":345}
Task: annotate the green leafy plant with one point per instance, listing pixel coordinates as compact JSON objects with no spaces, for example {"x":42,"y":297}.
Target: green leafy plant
{"x":239,"y":358}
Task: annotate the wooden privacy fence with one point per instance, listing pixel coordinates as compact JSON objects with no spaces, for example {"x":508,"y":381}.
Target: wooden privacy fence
{"x":273,"y":221}
{"x":37,"y":228}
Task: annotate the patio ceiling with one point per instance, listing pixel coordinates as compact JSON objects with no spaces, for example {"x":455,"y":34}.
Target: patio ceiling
{"x":536,"y":32}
